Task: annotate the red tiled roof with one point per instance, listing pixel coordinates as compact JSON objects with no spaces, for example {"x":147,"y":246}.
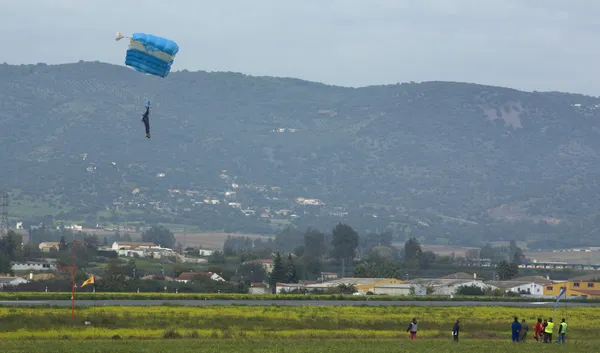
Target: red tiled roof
{"x":187,"y":276}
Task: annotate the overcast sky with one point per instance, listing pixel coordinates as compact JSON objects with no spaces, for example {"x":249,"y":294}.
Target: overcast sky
{"x":524,"y":44}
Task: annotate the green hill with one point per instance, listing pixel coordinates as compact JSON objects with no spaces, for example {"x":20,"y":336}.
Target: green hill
{"x":414,"y":153}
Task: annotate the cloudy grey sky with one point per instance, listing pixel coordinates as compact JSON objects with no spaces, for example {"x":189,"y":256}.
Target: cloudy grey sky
{"x":524,"y":44}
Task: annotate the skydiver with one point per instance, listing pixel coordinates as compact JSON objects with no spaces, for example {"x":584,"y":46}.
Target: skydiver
{"x":146,"y":119}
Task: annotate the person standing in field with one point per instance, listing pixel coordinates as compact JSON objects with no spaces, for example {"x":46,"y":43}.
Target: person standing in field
{"x":538,"y":330}
{"x":549,"y":329}
{"x":562,"y":331}
{"x":412,"y":328}
{"x":544,"y":325}
{"x":524,"y":330}
{"x":516,"y":330}
{"x":455,"y":331}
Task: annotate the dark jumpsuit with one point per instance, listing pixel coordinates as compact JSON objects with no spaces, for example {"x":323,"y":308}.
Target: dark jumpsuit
{"x":146,"y":120}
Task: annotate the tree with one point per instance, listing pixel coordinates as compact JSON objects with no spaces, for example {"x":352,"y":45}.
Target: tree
{"x":344,"y":242}
{"x":428,"y":258}
{"x":62,"y":245}
{"x":5,"y":265}
{"x":31,"y":251}
{"x":386,"y":269}
{"x":159,"y":235}
{"x":114,"y":279}
{"x":291,"y":275}
{"x":314,"y":244}
{"x":288,"y":239}
{"x":216,"y":258}
{"x":10,"y":245}
{"x":412,"y":250}
{"x":279,"y":272}
{"x":515,"y":254}
{"x":253,"y":272}
{"x":507,"y":270}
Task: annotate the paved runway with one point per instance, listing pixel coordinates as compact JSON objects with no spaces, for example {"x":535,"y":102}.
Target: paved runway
{"x":67,"y":303}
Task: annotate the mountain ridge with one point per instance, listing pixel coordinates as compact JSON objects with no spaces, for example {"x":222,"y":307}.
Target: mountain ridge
{"x":458,"y":149}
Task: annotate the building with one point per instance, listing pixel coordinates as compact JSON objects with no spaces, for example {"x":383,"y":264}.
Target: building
{"x":127,"y":245}
{"x":142,"y":249}
{"x":18,"y":266}
{"x":447,"y":286}
{"x":204,"y":252}
{"x":590,"y":290}
{"x":258,"y":288}
{"x":521,"y":287}
{"x":288,"y":287}
{"x":267,"y":264}
{"x":397,"y":289}
{"x":6,"y":281}
{"x":362,"y":285}
{"x":188,"y":277}
{"x":48,"y":246}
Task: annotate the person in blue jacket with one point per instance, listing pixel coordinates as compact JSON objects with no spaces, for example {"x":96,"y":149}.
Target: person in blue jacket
{"x":516,"y":329}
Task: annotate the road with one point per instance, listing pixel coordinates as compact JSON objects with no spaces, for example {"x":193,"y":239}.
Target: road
{"x":67,"y":303}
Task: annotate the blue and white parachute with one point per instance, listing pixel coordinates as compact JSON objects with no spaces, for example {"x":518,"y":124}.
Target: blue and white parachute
{"x":150,"y":54}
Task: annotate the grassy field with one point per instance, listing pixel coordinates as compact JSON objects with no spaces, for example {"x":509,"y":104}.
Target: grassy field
{"x":280,"y":329}
{"x":277,"y":322}
{"x":209,"y":240}
{"x":287,"y":346}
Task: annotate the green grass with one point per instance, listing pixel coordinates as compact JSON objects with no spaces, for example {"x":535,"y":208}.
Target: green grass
{"x":278,"y":322}
{"x":280,"y":329}
{"x":288,"y":346}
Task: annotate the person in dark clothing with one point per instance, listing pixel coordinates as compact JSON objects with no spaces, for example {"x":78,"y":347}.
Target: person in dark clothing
{"x":544,"y":325}
{"x":146,"y":119}
{"x":455,"y":331}
{"x":412,"y":327}
{"x":524,"y":331}
{"x":516,"y":330}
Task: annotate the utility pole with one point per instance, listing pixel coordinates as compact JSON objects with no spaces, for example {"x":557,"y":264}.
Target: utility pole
{"x":3,"y":214}
{"x":73,"y":268}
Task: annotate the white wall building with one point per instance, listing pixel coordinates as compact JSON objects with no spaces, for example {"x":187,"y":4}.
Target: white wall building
{"x":528,"y":287}
{"x":204,"y":252}
{"x":11,"y":281}
{"x":33,"y":266}
{"x":396,"y":289}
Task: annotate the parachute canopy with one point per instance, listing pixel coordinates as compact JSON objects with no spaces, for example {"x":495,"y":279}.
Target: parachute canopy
{"x":150,"y":54}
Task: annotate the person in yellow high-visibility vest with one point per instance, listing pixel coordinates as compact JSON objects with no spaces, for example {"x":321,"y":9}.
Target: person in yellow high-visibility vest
{"x":562,"y":331}
{"x":548,"y":331}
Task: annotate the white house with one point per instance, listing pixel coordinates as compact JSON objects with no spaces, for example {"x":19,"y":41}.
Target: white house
{"x":48,"y":246}
{"x":33,"y":266}
{"x":446,"y":286}
{"x":204,"y":252}
{"x":11,"y":281}
{"x":186,"y":277}
{"x":526,"y":287}
{"x":258,"y":288}
{"x":127,"y":245}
